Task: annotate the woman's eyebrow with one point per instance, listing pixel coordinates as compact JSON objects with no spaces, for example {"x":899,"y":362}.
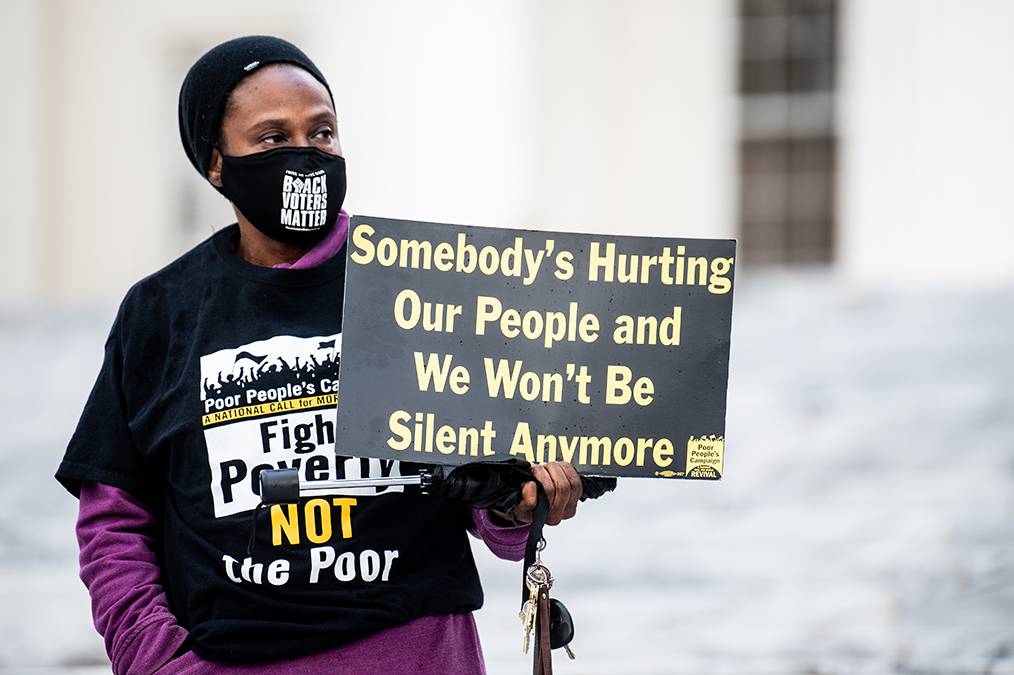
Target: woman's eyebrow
{"x":279,"y":122}
{"x":324,"y":115}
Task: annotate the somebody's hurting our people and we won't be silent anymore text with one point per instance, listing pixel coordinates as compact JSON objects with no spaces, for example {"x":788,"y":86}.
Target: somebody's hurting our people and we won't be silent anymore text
{"x":609,"y":352}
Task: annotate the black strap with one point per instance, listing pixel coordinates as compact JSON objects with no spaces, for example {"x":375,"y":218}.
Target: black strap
{"x":539,"y":516}
{"x":253,"y":529}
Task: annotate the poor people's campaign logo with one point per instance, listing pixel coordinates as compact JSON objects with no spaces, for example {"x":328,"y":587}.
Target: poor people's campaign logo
{"x":304,"y":200}
{"x":270,"y":404}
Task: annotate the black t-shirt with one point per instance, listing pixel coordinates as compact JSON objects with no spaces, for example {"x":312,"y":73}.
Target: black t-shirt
{"x":216,"y":369}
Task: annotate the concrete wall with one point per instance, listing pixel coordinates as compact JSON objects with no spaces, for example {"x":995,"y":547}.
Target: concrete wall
{"x":637,"y":117}
{"x":21,"y":175}
{"x":927,"y":141}
{"x":573,"y":114}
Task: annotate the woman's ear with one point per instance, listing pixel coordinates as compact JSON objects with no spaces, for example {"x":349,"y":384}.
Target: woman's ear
{"x":215,"y":168}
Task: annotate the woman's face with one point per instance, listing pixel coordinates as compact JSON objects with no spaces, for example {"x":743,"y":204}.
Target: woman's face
{"x":277,"y":106}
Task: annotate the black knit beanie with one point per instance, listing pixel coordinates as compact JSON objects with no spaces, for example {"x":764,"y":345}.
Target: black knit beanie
{"x":211,"y":79}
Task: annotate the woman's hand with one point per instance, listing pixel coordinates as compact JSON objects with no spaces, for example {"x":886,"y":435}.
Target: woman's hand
{"x":562,"y":485}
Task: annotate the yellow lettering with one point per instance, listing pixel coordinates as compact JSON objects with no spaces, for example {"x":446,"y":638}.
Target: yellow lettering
{"x":345,"y":505}
{"x":361,"y":240}
{"x":317,"y":517}
{"x":521,"y":442}
{"x":396,"y":423}
{"x":287,"y":523}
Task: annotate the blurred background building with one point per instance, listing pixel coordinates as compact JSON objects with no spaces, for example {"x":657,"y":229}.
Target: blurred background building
{"x":859,"y":150}
{"x":866,"y":136}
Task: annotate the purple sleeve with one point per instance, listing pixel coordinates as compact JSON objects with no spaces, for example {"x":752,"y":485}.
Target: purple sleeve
{"x":506,"y":542}
{"x":115,"y":532}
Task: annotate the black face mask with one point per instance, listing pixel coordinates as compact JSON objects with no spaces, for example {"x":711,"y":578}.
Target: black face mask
{"x":291,"y":194}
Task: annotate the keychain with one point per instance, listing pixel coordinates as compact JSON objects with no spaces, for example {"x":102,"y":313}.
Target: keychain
{"x":545,"y":621}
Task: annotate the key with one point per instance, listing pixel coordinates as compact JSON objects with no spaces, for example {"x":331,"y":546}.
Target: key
{"x":523,"y":614}
{"x":529,"y":613}
{"x":526,"y":621}
{"x":537,"y":577}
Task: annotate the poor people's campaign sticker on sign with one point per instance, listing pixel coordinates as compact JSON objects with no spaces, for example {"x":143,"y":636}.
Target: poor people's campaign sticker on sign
{"x":466,"y":344}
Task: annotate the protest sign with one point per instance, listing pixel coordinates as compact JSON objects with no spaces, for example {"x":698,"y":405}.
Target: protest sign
{"x":469,"y":344}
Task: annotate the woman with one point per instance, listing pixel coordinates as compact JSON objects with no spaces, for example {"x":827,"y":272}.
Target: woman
{"x":367,"y":582}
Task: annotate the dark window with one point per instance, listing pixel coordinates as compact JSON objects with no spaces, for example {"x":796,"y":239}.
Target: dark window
{"x":787,"y":53}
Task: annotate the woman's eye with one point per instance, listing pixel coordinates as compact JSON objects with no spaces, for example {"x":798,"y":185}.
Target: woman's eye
{"x":273,"y":138}
{"x":326,"y":132}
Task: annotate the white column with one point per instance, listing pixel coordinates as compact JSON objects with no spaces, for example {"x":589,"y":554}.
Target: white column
{"x":927,"y":141}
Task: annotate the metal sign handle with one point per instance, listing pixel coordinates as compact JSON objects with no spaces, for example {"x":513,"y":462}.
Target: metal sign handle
{"x":284,"y":486}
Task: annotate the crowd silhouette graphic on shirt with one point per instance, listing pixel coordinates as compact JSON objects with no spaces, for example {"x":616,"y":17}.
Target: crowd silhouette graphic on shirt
{"x":270,"y":372}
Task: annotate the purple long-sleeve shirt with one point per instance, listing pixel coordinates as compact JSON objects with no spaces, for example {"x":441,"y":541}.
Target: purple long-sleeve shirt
{"x":116,"y":533}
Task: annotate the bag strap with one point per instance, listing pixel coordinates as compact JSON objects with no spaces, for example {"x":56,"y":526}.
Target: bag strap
{"x":543,"y":648}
